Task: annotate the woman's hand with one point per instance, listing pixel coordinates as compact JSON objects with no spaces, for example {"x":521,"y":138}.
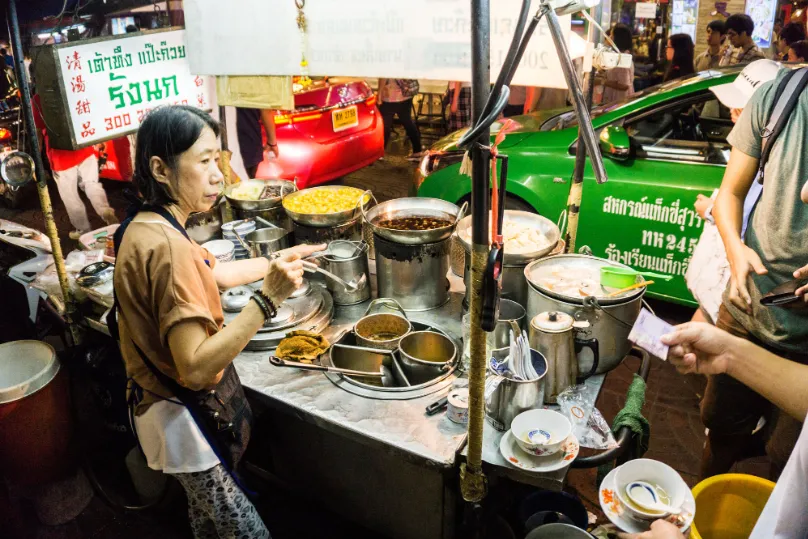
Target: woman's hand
{"x":660,"y":529}
{"x":802,"y":273}
{"x":741,"y":262}
{"x":696,"y":347}
{"x":702,"y":203}
{"x":285,"y":275}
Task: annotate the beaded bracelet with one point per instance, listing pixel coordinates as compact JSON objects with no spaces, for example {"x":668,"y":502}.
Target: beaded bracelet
{"x":273,"y":309}
{"x":263,"y":306}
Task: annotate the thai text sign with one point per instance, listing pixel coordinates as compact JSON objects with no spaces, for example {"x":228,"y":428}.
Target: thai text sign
{"x":109,"y":85}
{"x":416,"y":39}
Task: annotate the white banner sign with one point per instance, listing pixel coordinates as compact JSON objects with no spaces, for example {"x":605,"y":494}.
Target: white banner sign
{"x":645,"y":10}
{"x":110,"y":85}
{"x":414,"y":39}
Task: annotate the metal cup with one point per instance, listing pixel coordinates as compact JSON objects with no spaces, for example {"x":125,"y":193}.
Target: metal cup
{"x":513,"y":397}
{"x":348,"y":269}
{"x":511,"y":315}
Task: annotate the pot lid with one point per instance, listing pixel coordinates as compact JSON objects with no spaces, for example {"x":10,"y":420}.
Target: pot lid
{"x":236,"y":298}
{"x":553,"y":322}
{"x":25,"y":368}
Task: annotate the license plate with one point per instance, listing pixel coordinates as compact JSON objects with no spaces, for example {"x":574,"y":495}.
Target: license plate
{"x":342,"y":119}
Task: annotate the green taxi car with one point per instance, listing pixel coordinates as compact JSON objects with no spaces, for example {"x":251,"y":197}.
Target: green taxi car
{"x":661,"y":149}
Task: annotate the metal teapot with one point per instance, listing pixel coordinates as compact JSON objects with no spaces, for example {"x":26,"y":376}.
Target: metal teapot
{"x":553,"y":334}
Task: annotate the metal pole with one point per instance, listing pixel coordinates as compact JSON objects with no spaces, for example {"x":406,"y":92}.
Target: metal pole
{"x":473,"y":484}
{"x":39,"y":176}
{"x":577,"y":184}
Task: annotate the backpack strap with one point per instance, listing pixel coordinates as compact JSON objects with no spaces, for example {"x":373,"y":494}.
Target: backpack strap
{"x":786,"y":98}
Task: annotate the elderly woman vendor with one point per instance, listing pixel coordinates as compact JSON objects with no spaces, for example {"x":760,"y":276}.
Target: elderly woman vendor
{"x":190,"y":413}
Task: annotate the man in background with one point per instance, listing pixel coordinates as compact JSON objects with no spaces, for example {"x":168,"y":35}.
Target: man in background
{"x":791,"y":33}
{"x":250,"y":139}
{"x":711,"y":58}
{"x":739,"y":32}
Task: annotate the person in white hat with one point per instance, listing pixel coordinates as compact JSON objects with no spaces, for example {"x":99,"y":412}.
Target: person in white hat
{"x":709,"y":270}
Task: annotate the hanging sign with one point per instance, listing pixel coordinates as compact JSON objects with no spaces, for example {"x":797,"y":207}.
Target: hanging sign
{"x":416,"y":39}
{"x":102,"y":89}
{"x":645,"y":10}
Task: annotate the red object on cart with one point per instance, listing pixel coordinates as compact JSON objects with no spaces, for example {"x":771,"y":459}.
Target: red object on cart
{"x":115,"y":159}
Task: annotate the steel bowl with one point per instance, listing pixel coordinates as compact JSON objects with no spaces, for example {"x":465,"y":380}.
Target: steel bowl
{"x":324,"y":219}
{"x":414,"y":207}
{"x":263,"y":204}
{"x":426,"y":355}
{"x":392,"y":327}
{"x":533,"y":220}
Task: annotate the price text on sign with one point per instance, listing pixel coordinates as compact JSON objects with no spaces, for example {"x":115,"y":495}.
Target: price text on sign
{"x":111,"y":85}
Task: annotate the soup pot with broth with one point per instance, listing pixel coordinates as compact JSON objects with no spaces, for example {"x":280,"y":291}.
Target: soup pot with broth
{"x":571,"y":284}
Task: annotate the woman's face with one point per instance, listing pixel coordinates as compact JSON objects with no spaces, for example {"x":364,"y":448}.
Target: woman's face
{"x":669,"y":52}
{"x":196,"y":179}
{"x":792,"y":56}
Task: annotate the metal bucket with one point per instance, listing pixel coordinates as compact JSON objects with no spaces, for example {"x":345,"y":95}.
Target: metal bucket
{"x":382,"y":330}
{"x":266,"y":241}
{"x":348,"y":269}
{"x":425,"y":355}
{"x":513,"y":397}
{"x":414,"y":275}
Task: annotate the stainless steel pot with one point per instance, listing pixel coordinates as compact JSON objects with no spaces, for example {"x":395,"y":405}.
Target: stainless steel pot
{"x":512,"y":317}
{"x":325,"y":219}
{"x":425,"y":355}
{"x":548,"y":228}
{"x":204,"y":226}
{"x":610,"y":320}
{"x":265,"y":241}
{"x":401,"y":208}
{"x":414,"y":275}
{"x":285,"y":186}
{"x":382,"y":330}
{"x":354,"y":268}
{"x":512,"y":397}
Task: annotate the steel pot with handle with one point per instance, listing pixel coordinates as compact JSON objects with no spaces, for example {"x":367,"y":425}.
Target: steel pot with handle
{"x":264,"y":241}
{"x":426,"y":355}
{"x":382,"y":330}
{"x":610,"y":319}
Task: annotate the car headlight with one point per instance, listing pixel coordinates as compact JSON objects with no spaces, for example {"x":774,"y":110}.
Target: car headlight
{"x":433,"y":161}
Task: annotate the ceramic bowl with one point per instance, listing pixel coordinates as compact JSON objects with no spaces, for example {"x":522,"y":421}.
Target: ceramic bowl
{"x":223,"y":250}
{"x":540,"y":432}
{"x":655,"y":473}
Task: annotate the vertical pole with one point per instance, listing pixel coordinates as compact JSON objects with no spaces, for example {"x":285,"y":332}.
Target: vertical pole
{"x":41,"y":182}
{"x":577,"y":184}
{"x":473,"y":484}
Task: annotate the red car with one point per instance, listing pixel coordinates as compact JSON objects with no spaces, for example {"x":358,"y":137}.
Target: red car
{"x":334,"y":130}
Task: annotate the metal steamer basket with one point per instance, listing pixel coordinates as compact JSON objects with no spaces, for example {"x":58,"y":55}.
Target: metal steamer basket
{"x":412,"y":265}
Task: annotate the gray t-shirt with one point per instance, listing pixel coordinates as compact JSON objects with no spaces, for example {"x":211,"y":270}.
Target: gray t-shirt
{"x":778,"y":227}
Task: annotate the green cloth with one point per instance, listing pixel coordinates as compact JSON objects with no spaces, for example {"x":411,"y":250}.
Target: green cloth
{"x":778,"y":226}
{"x":631,"y":416}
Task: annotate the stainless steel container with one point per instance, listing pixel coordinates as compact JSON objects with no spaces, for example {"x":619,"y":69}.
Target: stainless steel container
{"x":382,"y":330}
{"x":426,"y":355}
{"x":414,"y":275}
{"x":514,"y":285}
{"x":512,"y":317}
{"x":348,"y":269}
{"x":513,"y":397}
{"x":204,"y":226}
{"x":265,"y":241}
{"x":610,"y":320}
{"x":277,"y":216}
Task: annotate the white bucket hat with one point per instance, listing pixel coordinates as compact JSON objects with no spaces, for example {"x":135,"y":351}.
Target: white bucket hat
{"x":736,"y":94}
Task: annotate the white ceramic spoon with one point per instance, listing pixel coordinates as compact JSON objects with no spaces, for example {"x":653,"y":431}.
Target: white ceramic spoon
{"x":646,"y":496}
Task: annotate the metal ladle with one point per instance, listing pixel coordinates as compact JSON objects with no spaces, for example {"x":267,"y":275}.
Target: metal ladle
{"x":278,"y":362}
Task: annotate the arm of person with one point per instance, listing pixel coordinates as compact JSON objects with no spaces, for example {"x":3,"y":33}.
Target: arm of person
{"x":702,"y":348}
{"x":268,"y":119}
{"x":199,"y":357}
{"x":239,"y":272}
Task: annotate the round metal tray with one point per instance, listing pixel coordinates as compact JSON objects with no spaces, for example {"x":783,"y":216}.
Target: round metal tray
{"x":323,"y":219}
{"x":533,"y":220}
{"x":263,"y":204}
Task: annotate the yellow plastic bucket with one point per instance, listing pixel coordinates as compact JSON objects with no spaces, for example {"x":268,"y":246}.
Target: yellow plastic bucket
{"x":728,"y":506}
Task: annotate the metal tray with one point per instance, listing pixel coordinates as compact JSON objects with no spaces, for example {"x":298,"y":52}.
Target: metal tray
{"x":413,"y":207}
{"x":263,"y":204}
{"x":534,"y":220}
{"x":323,"y":219}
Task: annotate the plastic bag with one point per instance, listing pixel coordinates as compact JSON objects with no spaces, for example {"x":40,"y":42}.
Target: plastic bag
{"x":588,"y":424}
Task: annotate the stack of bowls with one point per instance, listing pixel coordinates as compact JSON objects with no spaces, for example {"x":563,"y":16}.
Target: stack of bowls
{"x":645,"y":478}
{"x":243,"y":228}
{"x":223,"y":250}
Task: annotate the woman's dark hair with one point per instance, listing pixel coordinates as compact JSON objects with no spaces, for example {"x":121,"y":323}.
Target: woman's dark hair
{"x":621,"y":35}
{"x":792,"y":32}
{"x":717,"y":26}
{"x":740,"y":22}
{"x":166,"y":132}
{"x":800,"y":49}
{"x":682,"y":63}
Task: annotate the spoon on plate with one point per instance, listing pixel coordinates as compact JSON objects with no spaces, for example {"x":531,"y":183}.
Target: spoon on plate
{"x":647,"y":496}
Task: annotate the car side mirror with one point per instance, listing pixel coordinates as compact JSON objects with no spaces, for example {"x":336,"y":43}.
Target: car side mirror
{"x":615,"y":143}
{"x":17,"y":169}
